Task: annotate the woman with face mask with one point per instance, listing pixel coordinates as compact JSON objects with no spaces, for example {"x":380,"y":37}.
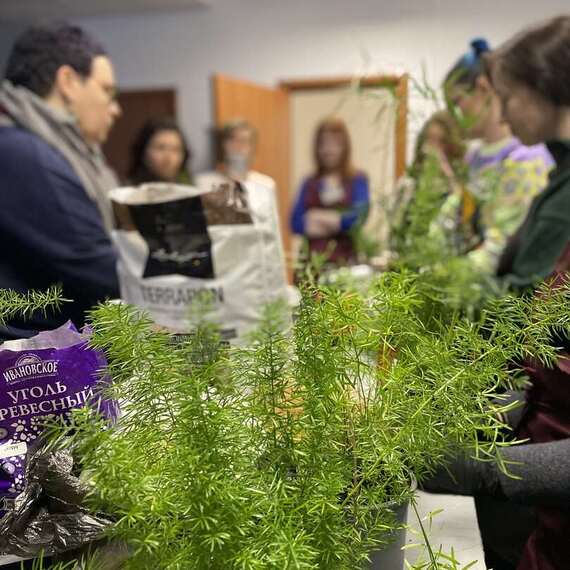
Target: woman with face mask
{"x":235,"y":149}
{"x":333,"y":202}
{"x":503,"y":174}
{"x":236,"y":143}
{"x":160,"y":153}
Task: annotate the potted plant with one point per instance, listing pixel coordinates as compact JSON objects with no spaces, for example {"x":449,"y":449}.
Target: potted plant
{"x":291,"y":452}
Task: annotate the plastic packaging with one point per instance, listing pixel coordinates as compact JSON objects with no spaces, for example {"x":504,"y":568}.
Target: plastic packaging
{"x":43,"y":378}
{"x":47,"y":517}
{"x":178,"y":244}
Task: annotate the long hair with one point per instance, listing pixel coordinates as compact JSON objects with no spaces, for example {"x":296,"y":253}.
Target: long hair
{"x":454,"y":145}
{"x":337,"y":127}
{"x":139,"y":172}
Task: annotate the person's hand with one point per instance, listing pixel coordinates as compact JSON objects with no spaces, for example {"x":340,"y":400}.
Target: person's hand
{"x":322,"y":223}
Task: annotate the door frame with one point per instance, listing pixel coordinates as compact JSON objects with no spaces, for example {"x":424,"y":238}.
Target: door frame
{"x":397,"y":83}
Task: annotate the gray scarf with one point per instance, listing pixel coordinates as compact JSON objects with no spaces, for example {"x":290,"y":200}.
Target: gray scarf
{"x":59,"y":129}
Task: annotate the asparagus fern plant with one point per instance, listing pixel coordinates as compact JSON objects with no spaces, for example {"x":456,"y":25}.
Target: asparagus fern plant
{"x":13,"y":304}
{"x":287,"y":453}
{"x":423,"y":243}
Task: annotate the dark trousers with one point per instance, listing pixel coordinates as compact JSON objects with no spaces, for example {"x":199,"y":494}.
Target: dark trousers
{"x":505,"y":527}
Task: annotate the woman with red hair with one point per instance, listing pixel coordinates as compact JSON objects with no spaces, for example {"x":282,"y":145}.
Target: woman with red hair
{"x":334,"y":201}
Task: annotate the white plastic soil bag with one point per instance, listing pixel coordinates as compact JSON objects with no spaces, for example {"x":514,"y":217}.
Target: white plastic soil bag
{"x":178,"y":244}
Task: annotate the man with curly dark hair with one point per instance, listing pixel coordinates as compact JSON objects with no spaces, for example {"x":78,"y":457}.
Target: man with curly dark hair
{"x":57,"y":106}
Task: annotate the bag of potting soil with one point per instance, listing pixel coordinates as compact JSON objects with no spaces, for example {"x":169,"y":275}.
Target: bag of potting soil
{"x":42,"y":378}
{"x":181,"y":247}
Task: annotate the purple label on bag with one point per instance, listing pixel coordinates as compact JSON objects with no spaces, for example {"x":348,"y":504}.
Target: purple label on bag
{"x":38,"y":385}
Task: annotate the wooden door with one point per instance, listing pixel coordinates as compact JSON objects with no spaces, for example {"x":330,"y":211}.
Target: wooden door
{"x":267,"y":110}
{"x":137,"y":107}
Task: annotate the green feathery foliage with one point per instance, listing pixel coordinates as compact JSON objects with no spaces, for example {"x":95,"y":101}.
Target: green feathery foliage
{"x":425,"y":245}
{"x":412,"y":235}
{"x":14,"y":304}
{"x":286,"y":452}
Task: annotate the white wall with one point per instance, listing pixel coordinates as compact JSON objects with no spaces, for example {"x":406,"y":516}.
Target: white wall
{"x":269,"y":40}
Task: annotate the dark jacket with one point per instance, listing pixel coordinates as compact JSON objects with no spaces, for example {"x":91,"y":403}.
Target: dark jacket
{"x":51,"y":232}
{"x":531,"y":254}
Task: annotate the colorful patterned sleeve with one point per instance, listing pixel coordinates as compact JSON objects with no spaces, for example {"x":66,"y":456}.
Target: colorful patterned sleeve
{"x":506,"y":204}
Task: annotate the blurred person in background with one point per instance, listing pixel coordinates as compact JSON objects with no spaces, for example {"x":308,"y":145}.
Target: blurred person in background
{"x":57,"y":106}
{"x":333,"y":202}
{"x":440,"y":137}
{"x":160,"y":153}
{"x":235,"y":146}
{"x":440,"y":143}
{"x":503,"y":175}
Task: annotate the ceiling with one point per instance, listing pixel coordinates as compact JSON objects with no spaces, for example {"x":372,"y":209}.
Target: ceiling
{"x":28,"y":10}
